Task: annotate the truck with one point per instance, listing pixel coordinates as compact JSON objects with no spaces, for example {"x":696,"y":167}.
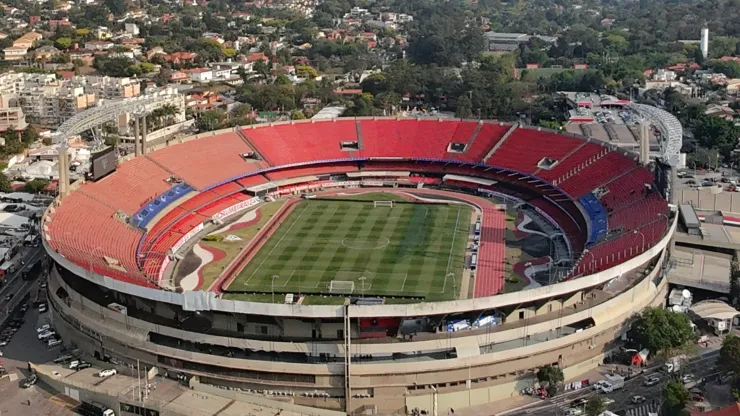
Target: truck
{"x":94,"y":409}
{"x":673,"y":364}
{"x":612,"y":383}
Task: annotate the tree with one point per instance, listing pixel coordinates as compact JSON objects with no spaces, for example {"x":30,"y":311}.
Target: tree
{"x":734,"y":283}
{"x":550,"y":377}
{"x":662,"y":330}
{"x":297,"y":115}
{"x":117,"y":7}
{"x":35,"y":186}
{"x":305,"y":71}
{"x":464,"y":107}
{"x":210,"y":120}
{"x":676,"y":396}
{"x":729,"y":355}
{"x":64,"y":43}
{"x":595,"y":406}
{"x":5,"y":184}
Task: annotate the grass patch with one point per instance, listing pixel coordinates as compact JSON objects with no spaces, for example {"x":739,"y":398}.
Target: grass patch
{"x":212,"y":271}
{"x":407,"y":250}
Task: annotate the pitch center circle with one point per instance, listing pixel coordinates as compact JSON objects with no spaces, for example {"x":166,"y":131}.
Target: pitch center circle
{"x":365,"y":244}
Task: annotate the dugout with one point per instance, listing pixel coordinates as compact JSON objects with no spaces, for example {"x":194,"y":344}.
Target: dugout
{"x":262,"y":189}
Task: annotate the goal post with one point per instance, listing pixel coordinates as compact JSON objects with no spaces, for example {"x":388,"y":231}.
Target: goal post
{"x":341,"y":286}
{"x":388,"y":204}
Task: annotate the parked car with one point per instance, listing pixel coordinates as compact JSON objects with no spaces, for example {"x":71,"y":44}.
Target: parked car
{"x":687,"y":378}
{"x":638,"y":399}
{"x":54,"y":343}
{"x":74,"y":364}
{"x":107,"y":373}
{"x":652,"y":380}
{"x":42,"y":308}
{"x":43,"y":328}
{"x":83,"y":365}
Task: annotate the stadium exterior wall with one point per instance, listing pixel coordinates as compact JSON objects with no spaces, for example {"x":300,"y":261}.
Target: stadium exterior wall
{"x":128,"y":337}
{"x":207,"y":301}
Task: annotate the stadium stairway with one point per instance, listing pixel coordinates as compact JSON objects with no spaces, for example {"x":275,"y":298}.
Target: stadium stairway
{"x":244,"y":137}
{"x":500,"y":142}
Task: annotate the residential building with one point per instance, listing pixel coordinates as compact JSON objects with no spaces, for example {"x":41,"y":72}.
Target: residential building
{"x":14,"y":53}
{"x":98,"y":45}
{"x":131,"y":28}
{"x":201,"y":75}
{"x":12,"y":118}
{"x":28,"y":41}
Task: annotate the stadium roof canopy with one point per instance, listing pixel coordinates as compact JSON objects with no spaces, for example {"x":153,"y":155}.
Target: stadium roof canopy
{"x":714,"y":309}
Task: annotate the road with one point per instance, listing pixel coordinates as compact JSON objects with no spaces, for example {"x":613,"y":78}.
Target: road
{"x":702,"y":366}
{"x":16,"y":285}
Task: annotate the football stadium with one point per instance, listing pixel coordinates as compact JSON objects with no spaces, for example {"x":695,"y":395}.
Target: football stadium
{"x":368,"y":265}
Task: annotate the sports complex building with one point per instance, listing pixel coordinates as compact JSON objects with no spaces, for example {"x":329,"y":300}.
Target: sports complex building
{"x":363,"y":265}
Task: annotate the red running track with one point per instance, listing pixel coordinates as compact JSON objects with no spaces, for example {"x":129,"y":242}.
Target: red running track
{"x":489,"y":277}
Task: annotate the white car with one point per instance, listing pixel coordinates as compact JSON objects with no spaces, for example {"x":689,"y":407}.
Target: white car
{"x":45,"y":335}
{"x":42,"y":308}
{"x":687,"y":378}
{"x":107,"y":373}
{"x":54,"y":342}
{"x":43,"y":328}
{"x":74,"y":364}
{"x":652,"y":380}
{"x":1,"y":353}
{"x":638,"y":399}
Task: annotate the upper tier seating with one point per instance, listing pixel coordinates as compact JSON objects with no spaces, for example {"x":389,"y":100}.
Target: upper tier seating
{"x":524,"y":149}
{"x":634,"y":215}
{"x":134,"y":183}
{"x":626,"y":189}
{"x":488,"y":136}
{"x":489,"y":277}
{"x":596,"y":174}
{"x":303,"y":142}
{"x":587,"y":153}
{"x":208,"y":160}
{"x":407,"y":138}
{"x":85,"y":231}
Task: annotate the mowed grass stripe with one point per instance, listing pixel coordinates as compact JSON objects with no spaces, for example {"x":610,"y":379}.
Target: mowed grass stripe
{"x":308,"y":250}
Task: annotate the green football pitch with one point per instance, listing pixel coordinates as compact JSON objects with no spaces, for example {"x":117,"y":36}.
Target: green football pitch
{"x":410,"y":249}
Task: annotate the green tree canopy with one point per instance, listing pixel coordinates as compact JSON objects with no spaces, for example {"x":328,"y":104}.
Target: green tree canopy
{"x":676,"y":396}
{"x":729,"y":355}
{"x":595,"y":406}
{"x":5,"y":184}
{"x":210,"y":120}
{"x":661,"y":330}
{"x":36,"y":185}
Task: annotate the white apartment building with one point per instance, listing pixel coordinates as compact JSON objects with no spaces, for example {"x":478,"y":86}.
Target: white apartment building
{"x":51,"y":101}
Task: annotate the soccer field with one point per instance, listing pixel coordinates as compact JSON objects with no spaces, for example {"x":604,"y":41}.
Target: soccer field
{"x":409,"y":249}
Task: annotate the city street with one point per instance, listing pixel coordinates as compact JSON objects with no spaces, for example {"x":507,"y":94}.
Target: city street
{"x":701,"y":367}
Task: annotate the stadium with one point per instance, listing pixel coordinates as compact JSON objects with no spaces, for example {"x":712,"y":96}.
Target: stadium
{"x":364,"y":265}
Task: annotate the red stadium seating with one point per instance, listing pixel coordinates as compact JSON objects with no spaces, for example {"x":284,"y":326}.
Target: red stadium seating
{"x":596,"y":174}
{"x":621,"y":248}
{"x":634,"y":215}
{"x":303,"y":142}
{"x":488,"y":136}
{"x":86,"y":232}
{"x":628,"y":187}
{"x":407,"y":138}
{"x":135,"y":183}
{"x":208,"y":160}
{"x":580,"y":158}
{"x":524,"y":149}
{"x":84,"y":228}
